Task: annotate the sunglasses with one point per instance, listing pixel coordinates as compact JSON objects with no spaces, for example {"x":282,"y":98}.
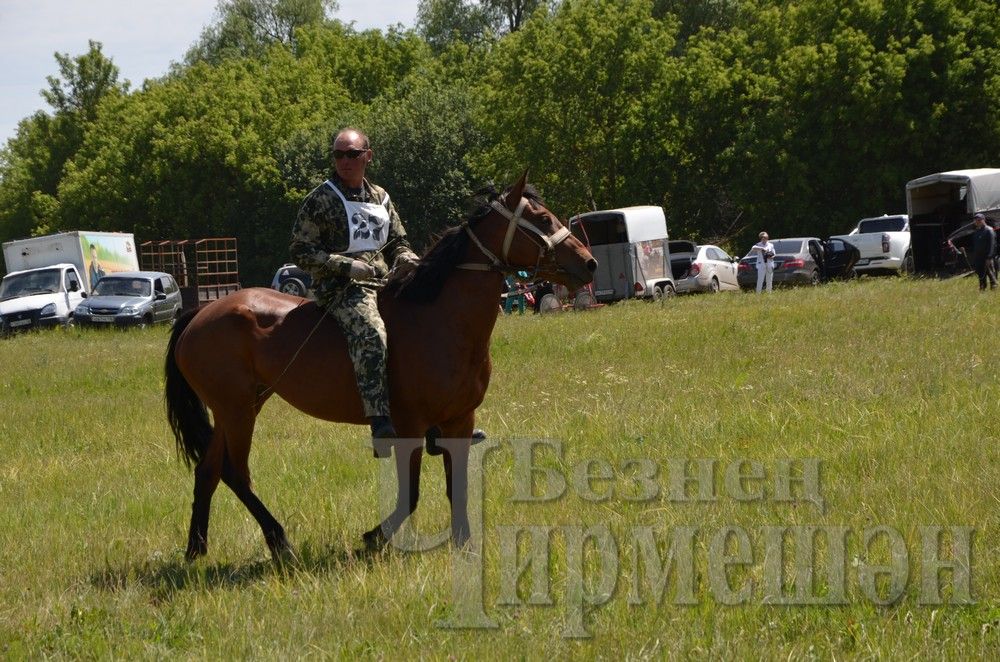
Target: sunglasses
{"x":349,"y":153}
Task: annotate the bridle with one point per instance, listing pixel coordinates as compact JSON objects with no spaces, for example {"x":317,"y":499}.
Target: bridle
{"x":546,"y":242}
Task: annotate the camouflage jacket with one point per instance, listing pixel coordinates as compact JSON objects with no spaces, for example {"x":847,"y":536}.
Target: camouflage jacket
{"x":321,"y":237}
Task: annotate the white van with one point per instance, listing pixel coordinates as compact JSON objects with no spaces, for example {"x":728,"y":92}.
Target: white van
{"x":34,"y":298}
{"x":630,"y":245}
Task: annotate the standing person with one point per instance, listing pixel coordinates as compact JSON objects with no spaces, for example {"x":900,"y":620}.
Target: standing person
{"x":984,"y":249}
{"x":515,"y":293}
{"x":348,"y":231}
{"x":764,"y":250}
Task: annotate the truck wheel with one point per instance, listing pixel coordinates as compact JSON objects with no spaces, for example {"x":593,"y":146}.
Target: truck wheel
{"x":907,"y":267}
{"x":814,"y":278}
{"x":714,"y":287}
{"x":657,"y":293}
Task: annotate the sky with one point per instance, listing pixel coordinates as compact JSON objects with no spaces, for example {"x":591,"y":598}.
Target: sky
{"x":142,"y":38}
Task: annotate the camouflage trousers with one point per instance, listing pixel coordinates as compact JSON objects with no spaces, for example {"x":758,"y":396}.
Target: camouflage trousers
{"x":356,"y":311}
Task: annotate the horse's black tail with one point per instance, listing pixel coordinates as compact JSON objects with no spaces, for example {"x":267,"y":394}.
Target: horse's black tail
{"x":186,"y":412}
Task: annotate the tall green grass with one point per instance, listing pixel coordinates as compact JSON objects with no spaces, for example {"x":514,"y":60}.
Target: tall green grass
{"x":891,"y":383}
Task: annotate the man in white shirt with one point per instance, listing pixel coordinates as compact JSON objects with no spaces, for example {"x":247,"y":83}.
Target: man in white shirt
{"x":764,"y":250}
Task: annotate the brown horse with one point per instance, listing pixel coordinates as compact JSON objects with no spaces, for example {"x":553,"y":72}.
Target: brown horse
{"x":232,"y":354}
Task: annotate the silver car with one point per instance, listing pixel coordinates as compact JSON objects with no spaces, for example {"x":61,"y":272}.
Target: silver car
{"x":131,"y":298}
{"x":701,"y":268}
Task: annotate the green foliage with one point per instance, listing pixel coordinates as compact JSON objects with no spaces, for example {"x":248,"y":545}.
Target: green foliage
{"x":572,"y":97}
{"x":421,"y":147}
{"x":203,"y":149}
{"x":82,"y":83}
{"x":247,"y":28}
{"x":443,"y":22}
{"x":736,"y":115}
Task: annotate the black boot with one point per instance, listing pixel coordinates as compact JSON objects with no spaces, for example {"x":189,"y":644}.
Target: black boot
{"x":382,"y":435}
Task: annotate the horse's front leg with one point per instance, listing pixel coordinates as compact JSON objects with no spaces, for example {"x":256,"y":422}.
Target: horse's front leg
{"x":456,"y":473}
{"x":408,"y":454}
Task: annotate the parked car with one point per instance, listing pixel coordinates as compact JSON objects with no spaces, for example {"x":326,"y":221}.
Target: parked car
{"x":47,"y":296}
{"x":131,"y":298}
{"x":292,"y":280}
{"x":884,"y":243}
{"x":701,"y":268}
{"x":804,"y":261}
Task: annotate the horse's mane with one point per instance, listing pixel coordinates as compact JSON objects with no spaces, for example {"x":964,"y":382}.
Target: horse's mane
{"x":423,"y":284}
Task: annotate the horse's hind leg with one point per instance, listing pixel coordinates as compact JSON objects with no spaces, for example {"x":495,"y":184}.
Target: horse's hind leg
{"x":206,"y":479}
{"x":236,"y":475}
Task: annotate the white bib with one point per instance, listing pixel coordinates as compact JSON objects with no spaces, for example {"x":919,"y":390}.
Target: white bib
{"x":367,"y":223}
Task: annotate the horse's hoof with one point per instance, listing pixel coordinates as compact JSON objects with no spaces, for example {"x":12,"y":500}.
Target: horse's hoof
{"x":195,"y":551}
{"x":197,"y":546}
{"x":285,"y":556}
{"x":281,"y":550}
{"x":478,"y":436}
{"x":460,"y":537}
{"x":375,"y":539}
{"x":381,"y":448}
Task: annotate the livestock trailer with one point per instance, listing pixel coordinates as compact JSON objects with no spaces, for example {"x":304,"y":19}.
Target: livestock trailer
{"x":630,"y":245}
{"x":939,"y":204}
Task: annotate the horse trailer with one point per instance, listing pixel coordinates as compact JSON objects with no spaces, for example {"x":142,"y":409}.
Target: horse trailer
{"x":939,"y":204}
{"x":630,"y":245}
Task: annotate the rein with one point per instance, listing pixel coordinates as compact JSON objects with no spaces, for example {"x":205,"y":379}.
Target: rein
{"x":374,"y":283}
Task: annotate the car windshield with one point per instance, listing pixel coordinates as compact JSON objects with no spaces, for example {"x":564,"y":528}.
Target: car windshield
{"x":123,"y":287}
{"x":34,"y":282}
{"x":885,"y":224}
{"x":788,"y":246}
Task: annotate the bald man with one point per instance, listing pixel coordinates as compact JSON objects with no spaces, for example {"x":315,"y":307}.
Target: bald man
{"x":348,"y":232}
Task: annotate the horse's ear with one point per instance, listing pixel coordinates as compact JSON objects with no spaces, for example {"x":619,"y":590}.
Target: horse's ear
{"x":517,"y":190}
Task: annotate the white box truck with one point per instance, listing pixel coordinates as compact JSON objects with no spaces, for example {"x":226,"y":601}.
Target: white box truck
{"x":94,"y":254}
{"x":47,"y":277}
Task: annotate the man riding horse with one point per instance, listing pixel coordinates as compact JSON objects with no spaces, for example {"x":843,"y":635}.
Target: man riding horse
{"x":347,"y":232}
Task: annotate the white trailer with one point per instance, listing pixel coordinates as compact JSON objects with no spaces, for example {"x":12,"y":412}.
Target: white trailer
{"x":94,"y":254}
{"x":630,"y":245}
{"x":941,"y":203}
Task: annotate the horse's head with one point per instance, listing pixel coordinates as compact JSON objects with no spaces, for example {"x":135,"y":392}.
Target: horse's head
{"x":534,"y":239}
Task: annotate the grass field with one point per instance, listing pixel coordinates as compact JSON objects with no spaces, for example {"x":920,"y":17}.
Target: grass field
{"x":890,"y":384}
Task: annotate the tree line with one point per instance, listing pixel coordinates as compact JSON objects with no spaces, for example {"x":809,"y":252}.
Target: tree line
{"x":798,"y":117}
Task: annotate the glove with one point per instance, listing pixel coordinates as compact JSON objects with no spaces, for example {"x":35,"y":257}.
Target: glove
{"x":406,"y":263}
{"x":361,"y":270}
